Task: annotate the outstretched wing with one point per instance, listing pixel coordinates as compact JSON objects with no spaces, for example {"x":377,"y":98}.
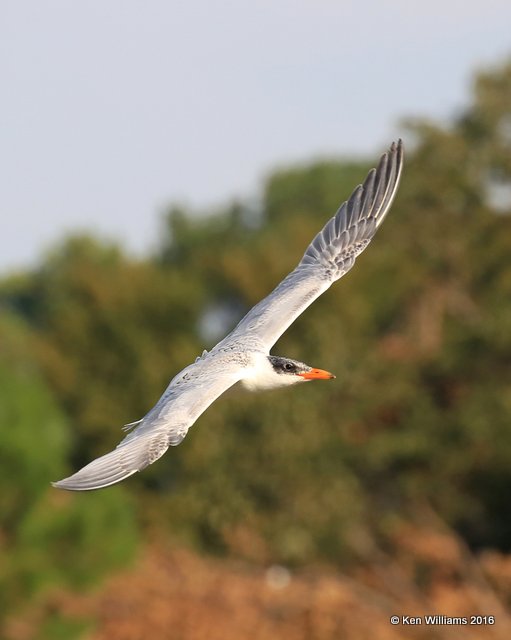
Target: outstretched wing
{"x":329,"y":256}
{"x":188,"y":395}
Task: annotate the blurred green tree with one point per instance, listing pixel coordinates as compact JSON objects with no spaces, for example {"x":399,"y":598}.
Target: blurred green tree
{"x":49,"y":541}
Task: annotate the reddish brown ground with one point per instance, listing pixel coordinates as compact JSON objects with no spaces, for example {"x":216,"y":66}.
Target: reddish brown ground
{"x":178,"y":595}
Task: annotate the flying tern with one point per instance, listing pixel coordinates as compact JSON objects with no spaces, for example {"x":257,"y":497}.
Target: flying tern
{"x":244,"y":355}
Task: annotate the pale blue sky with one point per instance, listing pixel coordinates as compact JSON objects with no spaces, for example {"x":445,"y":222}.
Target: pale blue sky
{"x":112,"y":109}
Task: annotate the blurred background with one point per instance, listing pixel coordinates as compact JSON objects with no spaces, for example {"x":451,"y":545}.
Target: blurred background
{"x":164,"y":166}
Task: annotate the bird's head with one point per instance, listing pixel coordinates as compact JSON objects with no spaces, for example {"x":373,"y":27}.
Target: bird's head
{"x":271,"y":372}
{"x":291,"y":371}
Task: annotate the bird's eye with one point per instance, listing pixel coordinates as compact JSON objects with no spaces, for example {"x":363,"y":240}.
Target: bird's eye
{"x":288,"y":366}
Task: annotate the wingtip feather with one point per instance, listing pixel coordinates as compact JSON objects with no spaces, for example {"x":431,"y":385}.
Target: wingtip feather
{"x":76,"y":483}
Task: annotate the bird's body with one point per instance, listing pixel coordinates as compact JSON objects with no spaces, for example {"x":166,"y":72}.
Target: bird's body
{"x":244,"y":355}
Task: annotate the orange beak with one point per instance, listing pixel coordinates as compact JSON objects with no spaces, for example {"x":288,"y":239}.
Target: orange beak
{"x":317,"y":374}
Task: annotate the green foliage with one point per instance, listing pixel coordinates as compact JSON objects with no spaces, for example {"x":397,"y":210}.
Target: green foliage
{"x":418,"y":335}
{"x":48,"y":539}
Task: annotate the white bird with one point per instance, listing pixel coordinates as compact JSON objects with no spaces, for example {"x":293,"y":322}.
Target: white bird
{"x":244,"y":355}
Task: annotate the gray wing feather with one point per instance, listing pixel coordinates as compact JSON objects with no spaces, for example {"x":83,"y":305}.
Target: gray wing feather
{"x":188,"y":395}
{"x":329,"y":256}
{"x":119,"y":464}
